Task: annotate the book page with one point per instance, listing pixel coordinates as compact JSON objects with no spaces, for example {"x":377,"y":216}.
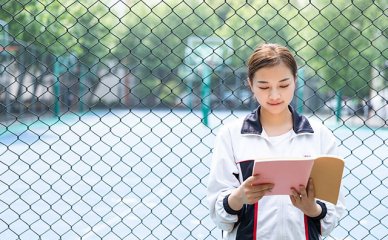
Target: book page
{"x":284,"y":174}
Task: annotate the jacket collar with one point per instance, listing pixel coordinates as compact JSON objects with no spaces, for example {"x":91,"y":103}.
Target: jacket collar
{"x":252,"y":124}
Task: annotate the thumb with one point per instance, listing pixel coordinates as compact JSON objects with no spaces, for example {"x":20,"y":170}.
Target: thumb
{"x":310,"y":188}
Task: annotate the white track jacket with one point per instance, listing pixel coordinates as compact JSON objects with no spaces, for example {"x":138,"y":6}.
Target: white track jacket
{"x":273,"y":217}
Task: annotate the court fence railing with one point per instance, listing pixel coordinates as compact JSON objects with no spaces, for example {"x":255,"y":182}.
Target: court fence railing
{"x":109,"y":109}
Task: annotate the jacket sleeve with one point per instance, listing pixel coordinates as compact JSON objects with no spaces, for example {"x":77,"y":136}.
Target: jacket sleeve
{"x":222,"y":180}
{"x":334,"y":212}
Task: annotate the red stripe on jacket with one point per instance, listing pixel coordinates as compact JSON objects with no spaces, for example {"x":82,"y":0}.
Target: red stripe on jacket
{"x":255,"y":221}
{"x":306,"y":227}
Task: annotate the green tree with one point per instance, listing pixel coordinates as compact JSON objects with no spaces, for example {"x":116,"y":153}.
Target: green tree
{"x":59,"y":28}
{"x":342,"y":43}
{"x":338,"y":44}
{"x":153,"y":49}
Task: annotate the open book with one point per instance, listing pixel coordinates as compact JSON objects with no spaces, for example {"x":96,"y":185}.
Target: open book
{"x":285,"y":173}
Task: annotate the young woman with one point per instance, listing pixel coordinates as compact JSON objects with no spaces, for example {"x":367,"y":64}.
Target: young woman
{"x":238,"y":204}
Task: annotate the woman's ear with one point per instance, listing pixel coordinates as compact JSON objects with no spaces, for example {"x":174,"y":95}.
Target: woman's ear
{"x":250,"y":84}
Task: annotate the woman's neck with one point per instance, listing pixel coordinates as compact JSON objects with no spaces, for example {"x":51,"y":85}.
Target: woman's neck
{"x":276,"y":124}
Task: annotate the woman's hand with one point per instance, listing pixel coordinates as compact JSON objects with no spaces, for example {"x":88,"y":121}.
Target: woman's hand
{"x":304,"y":199}
{"x":249,"y":192}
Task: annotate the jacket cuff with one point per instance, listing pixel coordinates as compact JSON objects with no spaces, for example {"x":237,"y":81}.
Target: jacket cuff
{"x":227,"y":208}
{"x":323,"y":213}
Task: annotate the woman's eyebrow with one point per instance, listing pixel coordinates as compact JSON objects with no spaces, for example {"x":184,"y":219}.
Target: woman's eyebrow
{"x":283,"y":80}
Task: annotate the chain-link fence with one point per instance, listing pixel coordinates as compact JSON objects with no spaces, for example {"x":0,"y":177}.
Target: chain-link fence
{"x":109,"y":108}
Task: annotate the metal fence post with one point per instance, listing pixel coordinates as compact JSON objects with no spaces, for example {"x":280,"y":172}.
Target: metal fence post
{"x":205,"y":93}
{"x":338,"y":109}
{"x":57,"y":88}
{"x":299,"y":91}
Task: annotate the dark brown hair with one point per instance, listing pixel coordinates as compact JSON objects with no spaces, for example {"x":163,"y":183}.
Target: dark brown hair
{"x":268,"y":55}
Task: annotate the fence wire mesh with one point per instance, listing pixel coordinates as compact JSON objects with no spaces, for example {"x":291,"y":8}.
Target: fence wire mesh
{"x":109,"y":108}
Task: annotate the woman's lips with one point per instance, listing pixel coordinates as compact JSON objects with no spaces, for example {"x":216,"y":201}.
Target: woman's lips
{"x":275,"y":104}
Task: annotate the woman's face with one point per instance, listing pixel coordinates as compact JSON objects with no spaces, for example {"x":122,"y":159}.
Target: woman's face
{"x":273,"y":87}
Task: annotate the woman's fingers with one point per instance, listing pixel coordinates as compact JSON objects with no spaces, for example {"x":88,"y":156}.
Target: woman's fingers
{"x":310,"y":188}
{"x":296,"y":196}
{"x":302,"y":191}
{"x":265,"y":187}
{"x":254,"y":190}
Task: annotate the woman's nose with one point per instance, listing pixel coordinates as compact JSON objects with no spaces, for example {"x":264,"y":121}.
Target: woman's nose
{"x":274,"y":94}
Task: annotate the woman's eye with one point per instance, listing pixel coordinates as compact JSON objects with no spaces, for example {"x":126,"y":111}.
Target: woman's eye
{"x":264,"y":88}
{"x":284,"y":86}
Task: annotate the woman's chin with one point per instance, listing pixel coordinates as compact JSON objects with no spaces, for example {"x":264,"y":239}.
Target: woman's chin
{"x":276,"y":108}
